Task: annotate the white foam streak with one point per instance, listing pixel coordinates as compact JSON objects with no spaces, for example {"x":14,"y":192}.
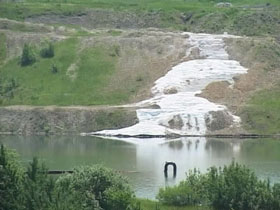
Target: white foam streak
{"x":181,"y":111}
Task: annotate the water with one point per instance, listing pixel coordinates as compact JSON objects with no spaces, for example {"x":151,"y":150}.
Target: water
{"x":144,"y":163}
{"x":181,"y":111}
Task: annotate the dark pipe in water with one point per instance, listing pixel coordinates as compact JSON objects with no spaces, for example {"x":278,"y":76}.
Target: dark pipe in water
{"x":71,"y":172}
{"x":59,"y":172}
{"x":166,"y":168}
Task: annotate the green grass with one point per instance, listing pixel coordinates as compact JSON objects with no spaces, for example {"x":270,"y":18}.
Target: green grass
{"x":205,"y":16}
{"x":167,"y":5}
{"x":2,"y":47}
{"x":20,"y":11}
{"x":261,"y":115}
{"x":268,"y":52}
{"x":154,"y":205}
{"x":37,"y":85}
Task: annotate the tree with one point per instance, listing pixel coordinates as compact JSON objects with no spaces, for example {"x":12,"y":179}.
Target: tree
{"x":88,"y":188}
{"x":47,"y":52}
{"x":27,"y":57}
{"x":10,"y":181}
{"x":54,"y":69}
{"x":38,"y":187}
{"x":230,"y":187}
{"x":95,"y":188}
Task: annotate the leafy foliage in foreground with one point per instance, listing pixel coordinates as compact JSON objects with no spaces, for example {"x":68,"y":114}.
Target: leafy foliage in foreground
{"x":145,"y":204}
{"x":98,"y":187}
{"x":10,"y":180}
{"x":231,"y":187}
{"x":88,"y":188}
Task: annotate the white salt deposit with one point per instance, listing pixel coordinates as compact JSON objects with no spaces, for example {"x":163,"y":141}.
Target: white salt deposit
{"x":181,"y":111}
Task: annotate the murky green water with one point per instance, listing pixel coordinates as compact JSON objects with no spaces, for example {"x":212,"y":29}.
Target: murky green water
{"x":144,"y":163}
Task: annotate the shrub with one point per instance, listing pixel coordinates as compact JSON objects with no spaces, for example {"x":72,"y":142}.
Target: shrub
{"x":115,"y":51}
{"x":180,"y":195}
{"x":54,"y":69}
{"x":188,"y":192}
{"x":276,"y":196}
{"x":10,"y":181}
{"x":38,"y":187}
{"x":96,"y":187}
{"x":88,"y":188}
{"x":47,"y":52}
{"x":236,"y":187}
{"x":27,"y":57}
{"x":231,"y":187}
{"x":7,"y":88}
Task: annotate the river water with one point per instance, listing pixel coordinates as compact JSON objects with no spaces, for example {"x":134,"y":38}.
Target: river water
{"x":144,"y":163}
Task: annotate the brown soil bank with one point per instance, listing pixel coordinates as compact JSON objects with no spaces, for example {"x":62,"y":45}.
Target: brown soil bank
{"x":245,"y":98}
{"x":24,"y":120}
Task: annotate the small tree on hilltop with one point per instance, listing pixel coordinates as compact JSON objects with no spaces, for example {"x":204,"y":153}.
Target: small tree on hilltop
{"x":54,"y":69}
{"x":27,"y":57}
{"x":48,"y":52}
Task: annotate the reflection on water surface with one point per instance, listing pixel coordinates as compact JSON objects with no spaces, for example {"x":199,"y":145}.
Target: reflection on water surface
{"x":146,"y":161}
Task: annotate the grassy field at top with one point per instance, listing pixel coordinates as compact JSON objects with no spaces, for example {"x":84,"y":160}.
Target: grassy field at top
{"x":167,"y":5}
{"x":248,"y":17}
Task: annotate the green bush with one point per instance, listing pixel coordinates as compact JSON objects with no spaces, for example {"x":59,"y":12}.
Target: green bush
{"x":27,"y":57}
{"x":38,"y":187}
{"x":276,"y":196}
{"x":188,"y":192}
{"x":231,"y":187}
{"x":8,"y":88}
{"x":11,"y":175}
{"x":96,"y":187}
{"x":88,"y":188}
{"x":47,"y":52}
{"x":54,"y":69}
{"x":180,"y":195}
{"x":236,"y":187}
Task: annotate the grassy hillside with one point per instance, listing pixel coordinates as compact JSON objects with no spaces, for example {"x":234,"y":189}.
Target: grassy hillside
{"x":258,"y":91}
{"x":248,"y":17}
{"x":101,"y":67}
{"x":261,"y":115}
{"x":79,"y":79}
